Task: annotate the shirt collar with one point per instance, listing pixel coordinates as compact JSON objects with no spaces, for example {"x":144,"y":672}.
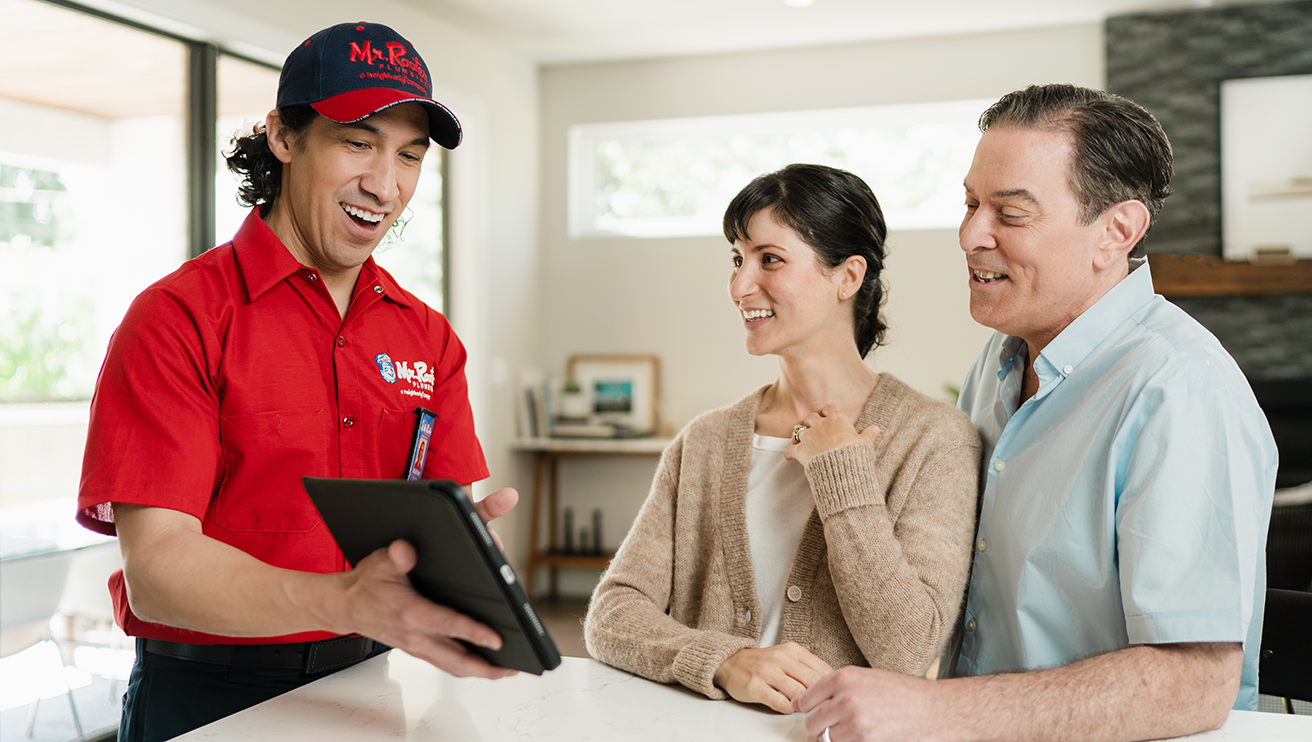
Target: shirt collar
{"x":1081,"y":336}
{"x":264,"y":262}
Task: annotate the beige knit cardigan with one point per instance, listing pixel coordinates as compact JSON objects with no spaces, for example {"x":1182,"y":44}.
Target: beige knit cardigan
{"x":877,"y":580}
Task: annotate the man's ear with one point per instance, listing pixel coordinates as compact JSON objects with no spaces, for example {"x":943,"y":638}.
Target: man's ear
{"x":281,"y":139}
{"x":1123,"y":225}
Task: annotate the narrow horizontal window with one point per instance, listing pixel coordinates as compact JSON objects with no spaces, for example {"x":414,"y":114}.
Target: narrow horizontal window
{"x":674,"y":177}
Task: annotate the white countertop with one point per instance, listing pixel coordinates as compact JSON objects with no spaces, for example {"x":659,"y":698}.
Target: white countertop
{"x":394,"y":696}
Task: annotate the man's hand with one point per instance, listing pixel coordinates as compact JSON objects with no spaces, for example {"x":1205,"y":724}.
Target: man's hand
{"x":861,"y":703}
{"x":381,"y":603}
{"x":772,"y":676}
{"x":494,"y":506}
{"x":1138,"y":693}
{"x":180,"y":577}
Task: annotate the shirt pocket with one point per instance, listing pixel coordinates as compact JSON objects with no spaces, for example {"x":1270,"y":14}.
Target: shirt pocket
{"x":396,"y":433}
{"x":265,"y":455}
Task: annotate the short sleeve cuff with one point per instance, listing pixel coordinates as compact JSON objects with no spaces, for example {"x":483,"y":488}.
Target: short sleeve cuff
{"x":1186,"y":626}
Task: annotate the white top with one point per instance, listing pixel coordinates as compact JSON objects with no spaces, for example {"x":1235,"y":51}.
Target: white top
{"x":397,"y":697}
{"x":779,"y":502}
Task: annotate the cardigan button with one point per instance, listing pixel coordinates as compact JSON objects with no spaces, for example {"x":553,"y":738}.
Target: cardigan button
{"x":794,"y":593}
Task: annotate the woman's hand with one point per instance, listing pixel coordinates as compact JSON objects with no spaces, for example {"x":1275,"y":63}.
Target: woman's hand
{"x":827,"y":430}
{"x":772,"y":676}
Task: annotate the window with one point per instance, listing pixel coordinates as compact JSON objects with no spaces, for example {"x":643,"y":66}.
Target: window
{"x":675,"y":177}
{"x":92,"y":190}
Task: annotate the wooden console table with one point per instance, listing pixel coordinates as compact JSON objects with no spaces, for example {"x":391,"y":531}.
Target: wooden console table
{"x":547,"y":454}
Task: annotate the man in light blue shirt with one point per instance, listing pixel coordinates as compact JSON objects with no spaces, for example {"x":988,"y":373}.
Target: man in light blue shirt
{"x":1119,"y":573}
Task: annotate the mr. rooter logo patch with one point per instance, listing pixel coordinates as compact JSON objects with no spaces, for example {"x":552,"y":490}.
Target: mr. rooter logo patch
{"x":391,"y":63}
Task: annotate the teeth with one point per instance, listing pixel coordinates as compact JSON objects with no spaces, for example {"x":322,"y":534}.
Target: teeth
{"x":987,"y":276}
{"x":752,"y":314}
{"x":368,"y":216}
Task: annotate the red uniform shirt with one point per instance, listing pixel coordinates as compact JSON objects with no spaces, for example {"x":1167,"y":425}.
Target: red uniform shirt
{"x":235,"y":376}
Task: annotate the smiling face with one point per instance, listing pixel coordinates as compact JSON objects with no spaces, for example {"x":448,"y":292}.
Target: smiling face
{"x":789,"y":304}
{"x":1033,"y":267}
{"x":344,"y":185}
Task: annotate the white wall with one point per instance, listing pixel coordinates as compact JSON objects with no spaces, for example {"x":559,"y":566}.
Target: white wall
{"x":669,"y":296}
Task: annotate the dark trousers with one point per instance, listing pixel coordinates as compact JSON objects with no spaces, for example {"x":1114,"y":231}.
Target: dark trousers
{"x":167,"y":697}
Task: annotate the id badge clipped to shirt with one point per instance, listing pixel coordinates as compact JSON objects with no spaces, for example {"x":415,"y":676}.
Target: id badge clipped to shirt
{"x":419,"y":446}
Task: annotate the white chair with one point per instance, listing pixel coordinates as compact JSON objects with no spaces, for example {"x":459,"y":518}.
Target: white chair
{"x":86,"y":597}
{"x":30,"y":589}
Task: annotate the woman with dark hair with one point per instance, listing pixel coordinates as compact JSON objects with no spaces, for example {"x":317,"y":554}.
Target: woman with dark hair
{"x":825,"y":520}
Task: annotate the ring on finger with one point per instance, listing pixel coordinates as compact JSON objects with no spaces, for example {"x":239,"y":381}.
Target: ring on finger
{"x":797,"y":433}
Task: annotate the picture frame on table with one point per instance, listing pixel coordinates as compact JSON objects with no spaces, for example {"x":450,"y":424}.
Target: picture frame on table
{"x":621,"y":390}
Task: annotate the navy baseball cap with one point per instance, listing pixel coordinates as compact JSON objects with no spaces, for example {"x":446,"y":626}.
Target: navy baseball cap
{"x":353,"y":70}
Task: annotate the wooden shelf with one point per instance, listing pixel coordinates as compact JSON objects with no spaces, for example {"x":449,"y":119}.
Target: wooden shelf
{"x":592,"y":446}
{"x":1195,"y":275}
{"x":544,"y":513}
{"x":583,"y":561}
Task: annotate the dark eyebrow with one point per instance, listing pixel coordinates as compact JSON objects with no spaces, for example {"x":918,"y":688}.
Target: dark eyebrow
{"x":364,"y":124}
{"x":361,"y":124}
{"x":1020,"y":193}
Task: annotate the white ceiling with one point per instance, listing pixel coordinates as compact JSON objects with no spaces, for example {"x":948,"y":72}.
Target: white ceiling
{"x":557,"y":31}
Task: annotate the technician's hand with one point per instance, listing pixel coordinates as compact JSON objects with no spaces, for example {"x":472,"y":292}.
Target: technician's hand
{"x":772,"y":676}
{"x":861,"y":703}
{"x":494,"y":506}
{"x":827,"y":430}
{"x":380,"y":603}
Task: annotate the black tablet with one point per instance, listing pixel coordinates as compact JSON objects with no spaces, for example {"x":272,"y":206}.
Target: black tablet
{"x":459,"y":566}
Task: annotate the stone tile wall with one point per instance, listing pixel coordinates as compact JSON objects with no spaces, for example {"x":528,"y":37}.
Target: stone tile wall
{"x":1172,"y":64}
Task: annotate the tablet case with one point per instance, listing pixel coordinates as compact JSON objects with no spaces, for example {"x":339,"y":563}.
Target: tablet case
{"x":458,"y":565}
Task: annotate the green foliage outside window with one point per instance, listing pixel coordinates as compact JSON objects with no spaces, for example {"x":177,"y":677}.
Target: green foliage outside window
{"x":48,"y":329}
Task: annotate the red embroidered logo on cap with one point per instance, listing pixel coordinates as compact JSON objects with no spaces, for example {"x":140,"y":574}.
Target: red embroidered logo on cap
{"x":411,"y":72}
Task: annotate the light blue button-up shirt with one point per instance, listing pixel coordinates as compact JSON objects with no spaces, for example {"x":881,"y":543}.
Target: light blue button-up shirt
{"x":1126,"y":502}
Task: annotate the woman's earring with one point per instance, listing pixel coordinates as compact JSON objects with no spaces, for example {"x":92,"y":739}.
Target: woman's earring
{"x":844,"y":295}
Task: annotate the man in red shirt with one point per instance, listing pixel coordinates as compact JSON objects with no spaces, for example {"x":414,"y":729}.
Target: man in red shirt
{"x":284,"y":353}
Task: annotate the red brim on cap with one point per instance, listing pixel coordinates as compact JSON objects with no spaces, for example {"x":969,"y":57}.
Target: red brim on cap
{"x":352,"y":106}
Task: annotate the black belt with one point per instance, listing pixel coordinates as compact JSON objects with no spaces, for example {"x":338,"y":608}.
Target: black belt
{"x":310,"y":657}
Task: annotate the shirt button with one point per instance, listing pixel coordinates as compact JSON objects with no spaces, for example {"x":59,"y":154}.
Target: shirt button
{"x":313,"y":276}
{"x":348,"y":422}
{"x":747,"y":617}
{"x":378,"y":289}
{"x":983,"y":545}
{"x":341,"y":341}
{"x":794,"y":593}
{"x":970,"y":625}
{"x":1069,"y":368}
{"x":999,"y":465}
